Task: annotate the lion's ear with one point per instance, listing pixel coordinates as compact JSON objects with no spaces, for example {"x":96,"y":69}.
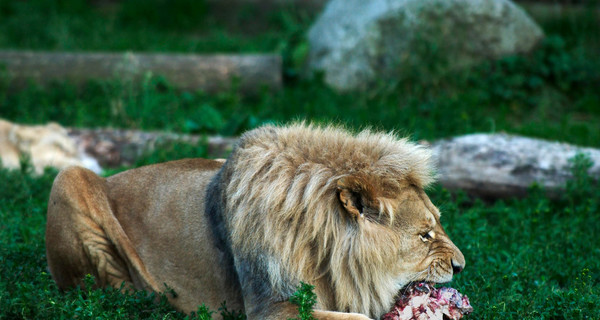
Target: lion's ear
{"x":355,"y":195}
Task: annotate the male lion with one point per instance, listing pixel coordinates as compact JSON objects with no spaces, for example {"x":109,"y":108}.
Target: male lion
{"x":346,"y":213}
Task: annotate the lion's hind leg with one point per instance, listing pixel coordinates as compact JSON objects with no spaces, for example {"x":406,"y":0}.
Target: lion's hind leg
{"x":84,"y":237}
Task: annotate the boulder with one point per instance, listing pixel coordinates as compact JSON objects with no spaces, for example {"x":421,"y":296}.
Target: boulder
{"x":500,"y":165}
{"x":355,"y":42}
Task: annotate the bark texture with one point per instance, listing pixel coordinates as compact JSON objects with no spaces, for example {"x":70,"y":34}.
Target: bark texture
{"x":500,"y":165}
{"x":115,"y":147}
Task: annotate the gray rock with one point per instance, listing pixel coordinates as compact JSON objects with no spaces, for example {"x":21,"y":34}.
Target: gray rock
{"x":355,"y":42}
{"x":499,"y":165}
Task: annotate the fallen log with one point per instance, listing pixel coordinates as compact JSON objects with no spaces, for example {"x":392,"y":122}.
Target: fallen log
{"x":483,"y":165}
{"x":114,"y":148}
{"x":186,"y":71}
{"x":500,"y":165}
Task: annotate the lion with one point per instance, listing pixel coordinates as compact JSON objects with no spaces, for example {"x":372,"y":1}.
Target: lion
{"x":46,"y":145}
{"x":344,"y":212}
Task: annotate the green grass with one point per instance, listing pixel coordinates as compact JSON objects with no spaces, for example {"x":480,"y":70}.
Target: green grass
{"x":138,"y":25}
{"x":530,"y":258}
{"x":305,"y":299}
{"x":527,"y":258}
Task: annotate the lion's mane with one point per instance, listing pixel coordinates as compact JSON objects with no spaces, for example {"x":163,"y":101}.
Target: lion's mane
{"x":279,"y":215}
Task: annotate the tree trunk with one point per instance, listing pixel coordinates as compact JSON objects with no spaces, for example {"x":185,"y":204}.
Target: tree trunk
{"x":186,"y":71}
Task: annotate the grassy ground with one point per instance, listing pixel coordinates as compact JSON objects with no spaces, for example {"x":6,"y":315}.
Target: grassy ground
{"x":527,"y":258}
{"x":153,"y":25}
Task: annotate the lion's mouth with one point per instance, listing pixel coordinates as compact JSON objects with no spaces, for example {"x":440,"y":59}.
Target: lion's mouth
{"x":422,"y":298}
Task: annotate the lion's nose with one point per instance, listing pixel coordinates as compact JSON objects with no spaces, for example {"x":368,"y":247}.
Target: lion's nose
{"x":457,"y":267}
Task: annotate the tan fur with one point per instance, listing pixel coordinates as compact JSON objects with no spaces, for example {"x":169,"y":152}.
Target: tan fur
{"x":346,"y":213}
{"x":47,"y":146}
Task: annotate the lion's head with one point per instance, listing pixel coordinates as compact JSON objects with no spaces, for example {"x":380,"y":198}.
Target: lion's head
{"x":344,"y":212}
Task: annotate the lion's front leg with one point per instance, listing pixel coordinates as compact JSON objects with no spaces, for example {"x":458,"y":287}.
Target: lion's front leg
{"x":287,"y":310}
{"x":332,"y":315}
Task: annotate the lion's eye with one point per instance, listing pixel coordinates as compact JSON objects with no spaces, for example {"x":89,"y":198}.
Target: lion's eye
{"x":426,"y":237}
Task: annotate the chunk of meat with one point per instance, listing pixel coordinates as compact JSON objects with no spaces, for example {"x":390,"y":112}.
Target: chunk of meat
{"x":422,"y":301}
